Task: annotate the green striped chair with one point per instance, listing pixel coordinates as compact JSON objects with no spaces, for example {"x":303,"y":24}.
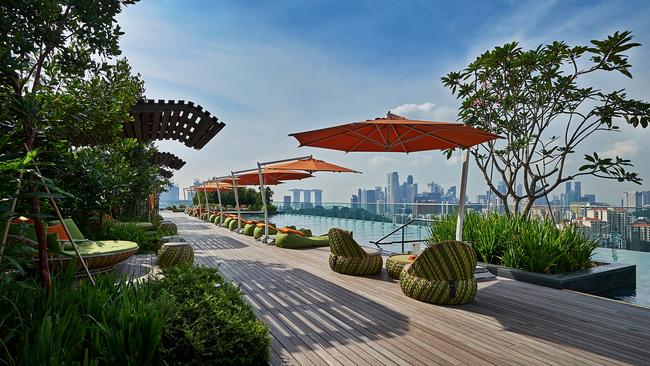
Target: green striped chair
{"x":348,"y":257}
{"x":442,"y":274}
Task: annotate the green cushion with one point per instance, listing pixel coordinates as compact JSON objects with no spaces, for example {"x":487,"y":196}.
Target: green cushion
{"x":292,"y":241}
{"x":227,"y":221}
{"x":102,"y":247}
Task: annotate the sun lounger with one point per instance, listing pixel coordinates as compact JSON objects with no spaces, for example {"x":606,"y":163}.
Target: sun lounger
{"x":293,"y":241}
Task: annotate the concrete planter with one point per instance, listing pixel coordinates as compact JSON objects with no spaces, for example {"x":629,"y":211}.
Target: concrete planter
{"x":596,"y":280}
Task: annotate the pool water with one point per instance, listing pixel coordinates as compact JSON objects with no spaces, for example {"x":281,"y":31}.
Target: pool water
{"x":366,"y":231}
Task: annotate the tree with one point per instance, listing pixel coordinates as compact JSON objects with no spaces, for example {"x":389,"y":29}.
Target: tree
{"x":46,"y":48}
{"x":534,"y":101}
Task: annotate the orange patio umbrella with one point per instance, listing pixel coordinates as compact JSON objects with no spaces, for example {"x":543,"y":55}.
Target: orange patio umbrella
{"x":270,"y":177}
{"x":398,"y":134}
{"x":311,"y":165}
{"x":267,"y":176}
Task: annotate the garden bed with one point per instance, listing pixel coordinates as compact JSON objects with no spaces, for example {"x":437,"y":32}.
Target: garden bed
{"x":601,"y":278}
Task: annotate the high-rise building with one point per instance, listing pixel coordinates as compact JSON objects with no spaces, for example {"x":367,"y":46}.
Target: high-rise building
{"x":629,"y":199}
{"x":577,"y":191}
{"x":354,"y":201}
{"x":306,"y":198}
{"x":318,"y":197}
{"x":171,"y":195}
{"x":296,"y":197}
{"x":191,"y":194}
{"x":502,"y":187}
{"x":393,"y":188}
{"x":287,"y":202}
{"x":409,"y":179}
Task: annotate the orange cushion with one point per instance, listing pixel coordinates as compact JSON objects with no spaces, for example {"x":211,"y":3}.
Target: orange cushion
{"x":286,"y":230}
{"x":59,"y":230}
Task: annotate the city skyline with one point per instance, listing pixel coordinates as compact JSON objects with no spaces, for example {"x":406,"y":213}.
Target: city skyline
{"x":274,"y":75}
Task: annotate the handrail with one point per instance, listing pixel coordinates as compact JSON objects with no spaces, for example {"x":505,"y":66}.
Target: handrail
{"x":379,"y":242}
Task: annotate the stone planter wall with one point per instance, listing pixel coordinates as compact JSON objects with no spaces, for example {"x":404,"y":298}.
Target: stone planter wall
{"x":596,"y":280}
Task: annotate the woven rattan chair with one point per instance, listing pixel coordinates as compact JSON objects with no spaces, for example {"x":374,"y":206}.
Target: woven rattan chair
{"x":442,"y":274}
{"x":348,"y":257}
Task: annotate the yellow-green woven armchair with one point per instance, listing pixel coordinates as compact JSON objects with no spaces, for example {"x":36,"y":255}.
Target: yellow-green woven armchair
{"x":350,"y":258}
{"x":442,"y":274}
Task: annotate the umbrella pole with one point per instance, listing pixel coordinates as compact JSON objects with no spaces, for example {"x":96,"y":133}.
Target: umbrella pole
{"x":219,"y":198}
{"x":461,"y":199}
{"x":205,"y":194}
{"x":263,"y":193}
{"x":234,"y":187}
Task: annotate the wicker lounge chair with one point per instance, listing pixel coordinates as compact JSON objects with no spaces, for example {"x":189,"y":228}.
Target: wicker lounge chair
{"x":442,"y":274}
{"x":348,"y":257}
{"x":100,"y":256}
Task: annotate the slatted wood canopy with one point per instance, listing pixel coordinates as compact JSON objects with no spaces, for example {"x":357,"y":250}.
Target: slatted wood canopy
{"x":168,"y":159}
{"x":165,"y":173}
{"x":172,"y":120}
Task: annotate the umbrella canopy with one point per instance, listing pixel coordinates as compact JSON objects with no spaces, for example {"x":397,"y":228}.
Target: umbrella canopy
{"x":212,"y":187}
{"x":271,"y":177}
{"x":398,"y":134}
{"x":311,"y":165}
{"x":394,"y":134}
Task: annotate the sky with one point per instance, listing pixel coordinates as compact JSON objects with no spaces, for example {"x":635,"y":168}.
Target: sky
{"x":270,"y":68}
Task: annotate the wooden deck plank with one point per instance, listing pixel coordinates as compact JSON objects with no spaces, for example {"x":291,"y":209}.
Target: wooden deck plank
{"x":316,"y":316}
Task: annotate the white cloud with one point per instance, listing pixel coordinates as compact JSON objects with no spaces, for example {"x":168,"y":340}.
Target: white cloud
{"x":425,"y":111}
{"x":623,"y":149}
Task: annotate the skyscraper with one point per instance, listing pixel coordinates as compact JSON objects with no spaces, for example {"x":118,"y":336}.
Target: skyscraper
{"x":393,"y":188}
{"x":318,"y":197}
{"x":577,"y":191}
{"x":287,"y":202}
{"x":296,"y":197}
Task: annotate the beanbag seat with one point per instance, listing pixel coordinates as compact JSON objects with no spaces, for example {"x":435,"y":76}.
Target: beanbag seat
{"x":259,"y":230}
{"x":249,"y":229}
{"x":292,"y":241}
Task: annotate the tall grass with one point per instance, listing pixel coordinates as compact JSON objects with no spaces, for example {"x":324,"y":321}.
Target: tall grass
{"x":77,"y":324}
{"x":520,"y":242}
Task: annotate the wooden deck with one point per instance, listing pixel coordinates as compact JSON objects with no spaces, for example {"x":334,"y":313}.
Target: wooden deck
{"x":320,"y":317}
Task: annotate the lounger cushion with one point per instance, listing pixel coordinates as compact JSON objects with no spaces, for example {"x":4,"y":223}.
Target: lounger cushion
{"x":288,"y":230}
{"x":291,"y":241}
{"x":59,"y":231}
{"x":103,"y":247}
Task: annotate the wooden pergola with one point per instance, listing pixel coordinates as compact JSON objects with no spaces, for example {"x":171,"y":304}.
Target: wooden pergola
{"x":165,"y":173}
{"x":172,"y":120}
{"x":168,"y":159}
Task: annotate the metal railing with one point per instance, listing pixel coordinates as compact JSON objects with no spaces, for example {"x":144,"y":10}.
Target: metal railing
{"x":403,"y":241}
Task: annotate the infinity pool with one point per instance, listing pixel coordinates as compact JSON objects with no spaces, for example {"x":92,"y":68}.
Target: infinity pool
{"x":366,"y":231}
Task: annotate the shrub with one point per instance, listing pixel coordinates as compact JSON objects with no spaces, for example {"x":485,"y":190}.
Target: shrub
{"x":109,"y":324}
{"x":520,"y":242}
{"x":208,"y":321}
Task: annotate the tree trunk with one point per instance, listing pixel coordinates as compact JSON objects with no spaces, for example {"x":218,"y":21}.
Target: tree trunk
{"x":529,"y":206}
{"x":43,"y":265}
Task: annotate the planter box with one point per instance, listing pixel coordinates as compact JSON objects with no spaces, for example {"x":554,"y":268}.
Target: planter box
{"x":596,"y":280}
